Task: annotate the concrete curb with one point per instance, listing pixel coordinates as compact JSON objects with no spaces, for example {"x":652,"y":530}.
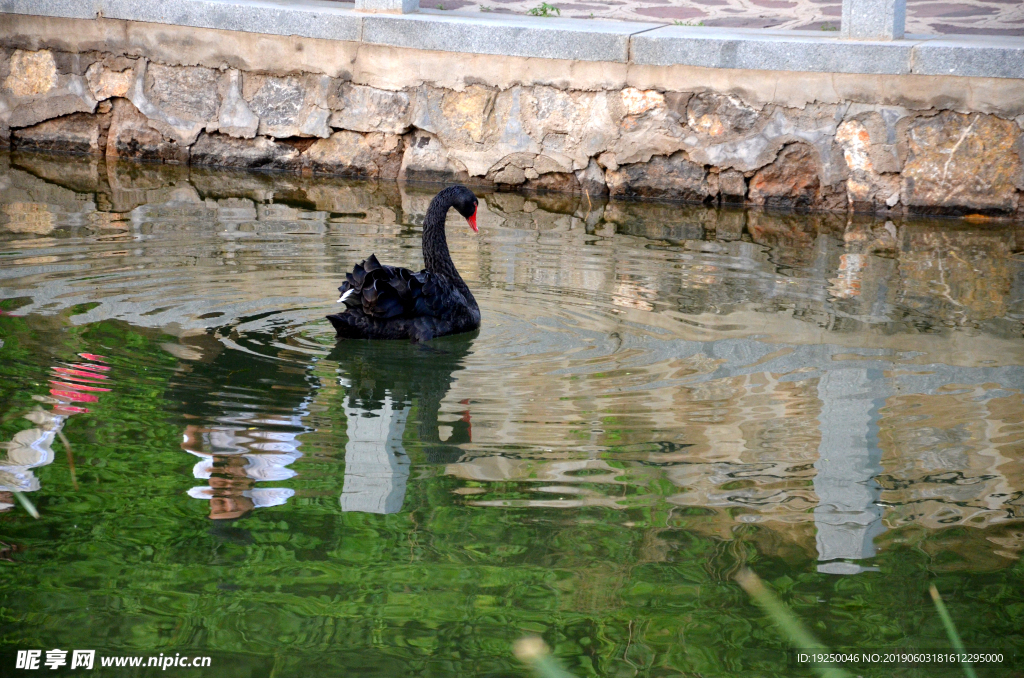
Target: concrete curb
{"x":647,"y":44}
{"x":979,"y":56}
{"x":64,"y":9}
{"x":770,"y":51}
{"x":308,"y":19}
{"x":573,"y":39}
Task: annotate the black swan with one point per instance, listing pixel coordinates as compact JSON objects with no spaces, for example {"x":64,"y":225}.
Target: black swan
{"x":386,"y":302}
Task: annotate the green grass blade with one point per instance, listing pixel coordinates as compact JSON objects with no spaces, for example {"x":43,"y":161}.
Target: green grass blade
{"x":794,"y":631}
{"x":535,"y":653}
{"x":954,"y":637}
{"x":27,"y":504}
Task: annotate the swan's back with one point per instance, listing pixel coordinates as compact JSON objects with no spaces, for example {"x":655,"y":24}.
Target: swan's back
{"x":387,"y":302}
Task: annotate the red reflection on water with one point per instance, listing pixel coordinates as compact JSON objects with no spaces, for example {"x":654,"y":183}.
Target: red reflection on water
{"x":466,"y":418}
{"x":70,"y":387}
{"x":84,"y":374}
{"x":93,"y":368}
{"x":78,"y":387}
{"x":69,"y":409}
{"x":74,"y":396}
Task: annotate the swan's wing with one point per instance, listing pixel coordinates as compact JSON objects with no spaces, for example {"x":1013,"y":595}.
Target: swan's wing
{"x":352,"y":288}
{"x":380,"y":291}
{"x":391,"y":292}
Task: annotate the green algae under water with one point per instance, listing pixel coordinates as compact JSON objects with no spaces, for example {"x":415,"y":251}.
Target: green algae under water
{"x":660,"y":395}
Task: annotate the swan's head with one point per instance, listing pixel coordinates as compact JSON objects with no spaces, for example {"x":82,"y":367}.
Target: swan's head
{"x":466,"y":204}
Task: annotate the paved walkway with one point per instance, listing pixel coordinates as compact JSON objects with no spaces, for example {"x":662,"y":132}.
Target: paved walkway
{"x":992,"y":17}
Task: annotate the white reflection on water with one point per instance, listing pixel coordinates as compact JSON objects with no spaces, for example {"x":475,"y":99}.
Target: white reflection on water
{"x":233,"y":460}
{"x":376,"y":465}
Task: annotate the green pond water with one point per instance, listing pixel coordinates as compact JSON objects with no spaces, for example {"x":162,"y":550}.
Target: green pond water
{"x":659,"y":397}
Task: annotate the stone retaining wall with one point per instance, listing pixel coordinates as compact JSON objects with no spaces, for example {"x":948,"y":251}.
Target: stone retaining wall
{"x":886,"y":144}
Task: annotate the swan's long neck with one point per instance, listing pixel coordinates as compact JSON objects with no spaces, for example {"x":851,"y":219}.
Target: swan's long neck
{"x":436,"y":257}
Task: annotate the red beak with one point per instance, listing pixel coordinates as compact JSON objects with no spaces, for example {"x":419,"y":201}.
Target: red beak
{"x":472,"y":222}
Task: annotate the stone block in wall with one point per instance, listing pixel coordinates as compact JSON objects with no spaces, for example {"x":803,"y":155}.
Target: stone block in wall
{"x":294,"y":106}
{"x":375,"y":156}
{"x":519,"y":168}
{"x":478,"y":127}
{"x":469,"y":112}
{"x":647,"y":127}
{"x":78,"y":133}
{"x":31,"y":73}
{"x":34,"y":90}
{"x":815,"y":125}
{"x":962,"y":162}
{"x":885,"y":126}
{"x":108,"y":80}
{"x":732,"y":185}
{"x":872,"y":183}
{"x":721,"y":116}
{"x":572,"y":125}
{"x":591,"y":180}
{"x":366,"y":109}
{"x":666,"y":178}
{"x":259,"y":153}
{"x":153,"y":97}
{"x":426,"y":159}
{"x":235,"y":118}
{"x":791,"y":181}
{"x":132,"y":136}
{"x":185,"y":92}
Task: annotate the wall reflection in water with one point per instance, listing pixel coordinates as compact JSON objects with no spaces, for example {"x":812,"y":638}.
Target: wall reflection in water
{"x":233,"y":460}
{"x":842,"y":384}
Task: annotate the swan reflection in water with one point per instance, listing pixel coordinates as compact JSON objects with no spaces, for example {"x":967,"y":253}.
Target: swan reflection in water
{"x":383,"y":380}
